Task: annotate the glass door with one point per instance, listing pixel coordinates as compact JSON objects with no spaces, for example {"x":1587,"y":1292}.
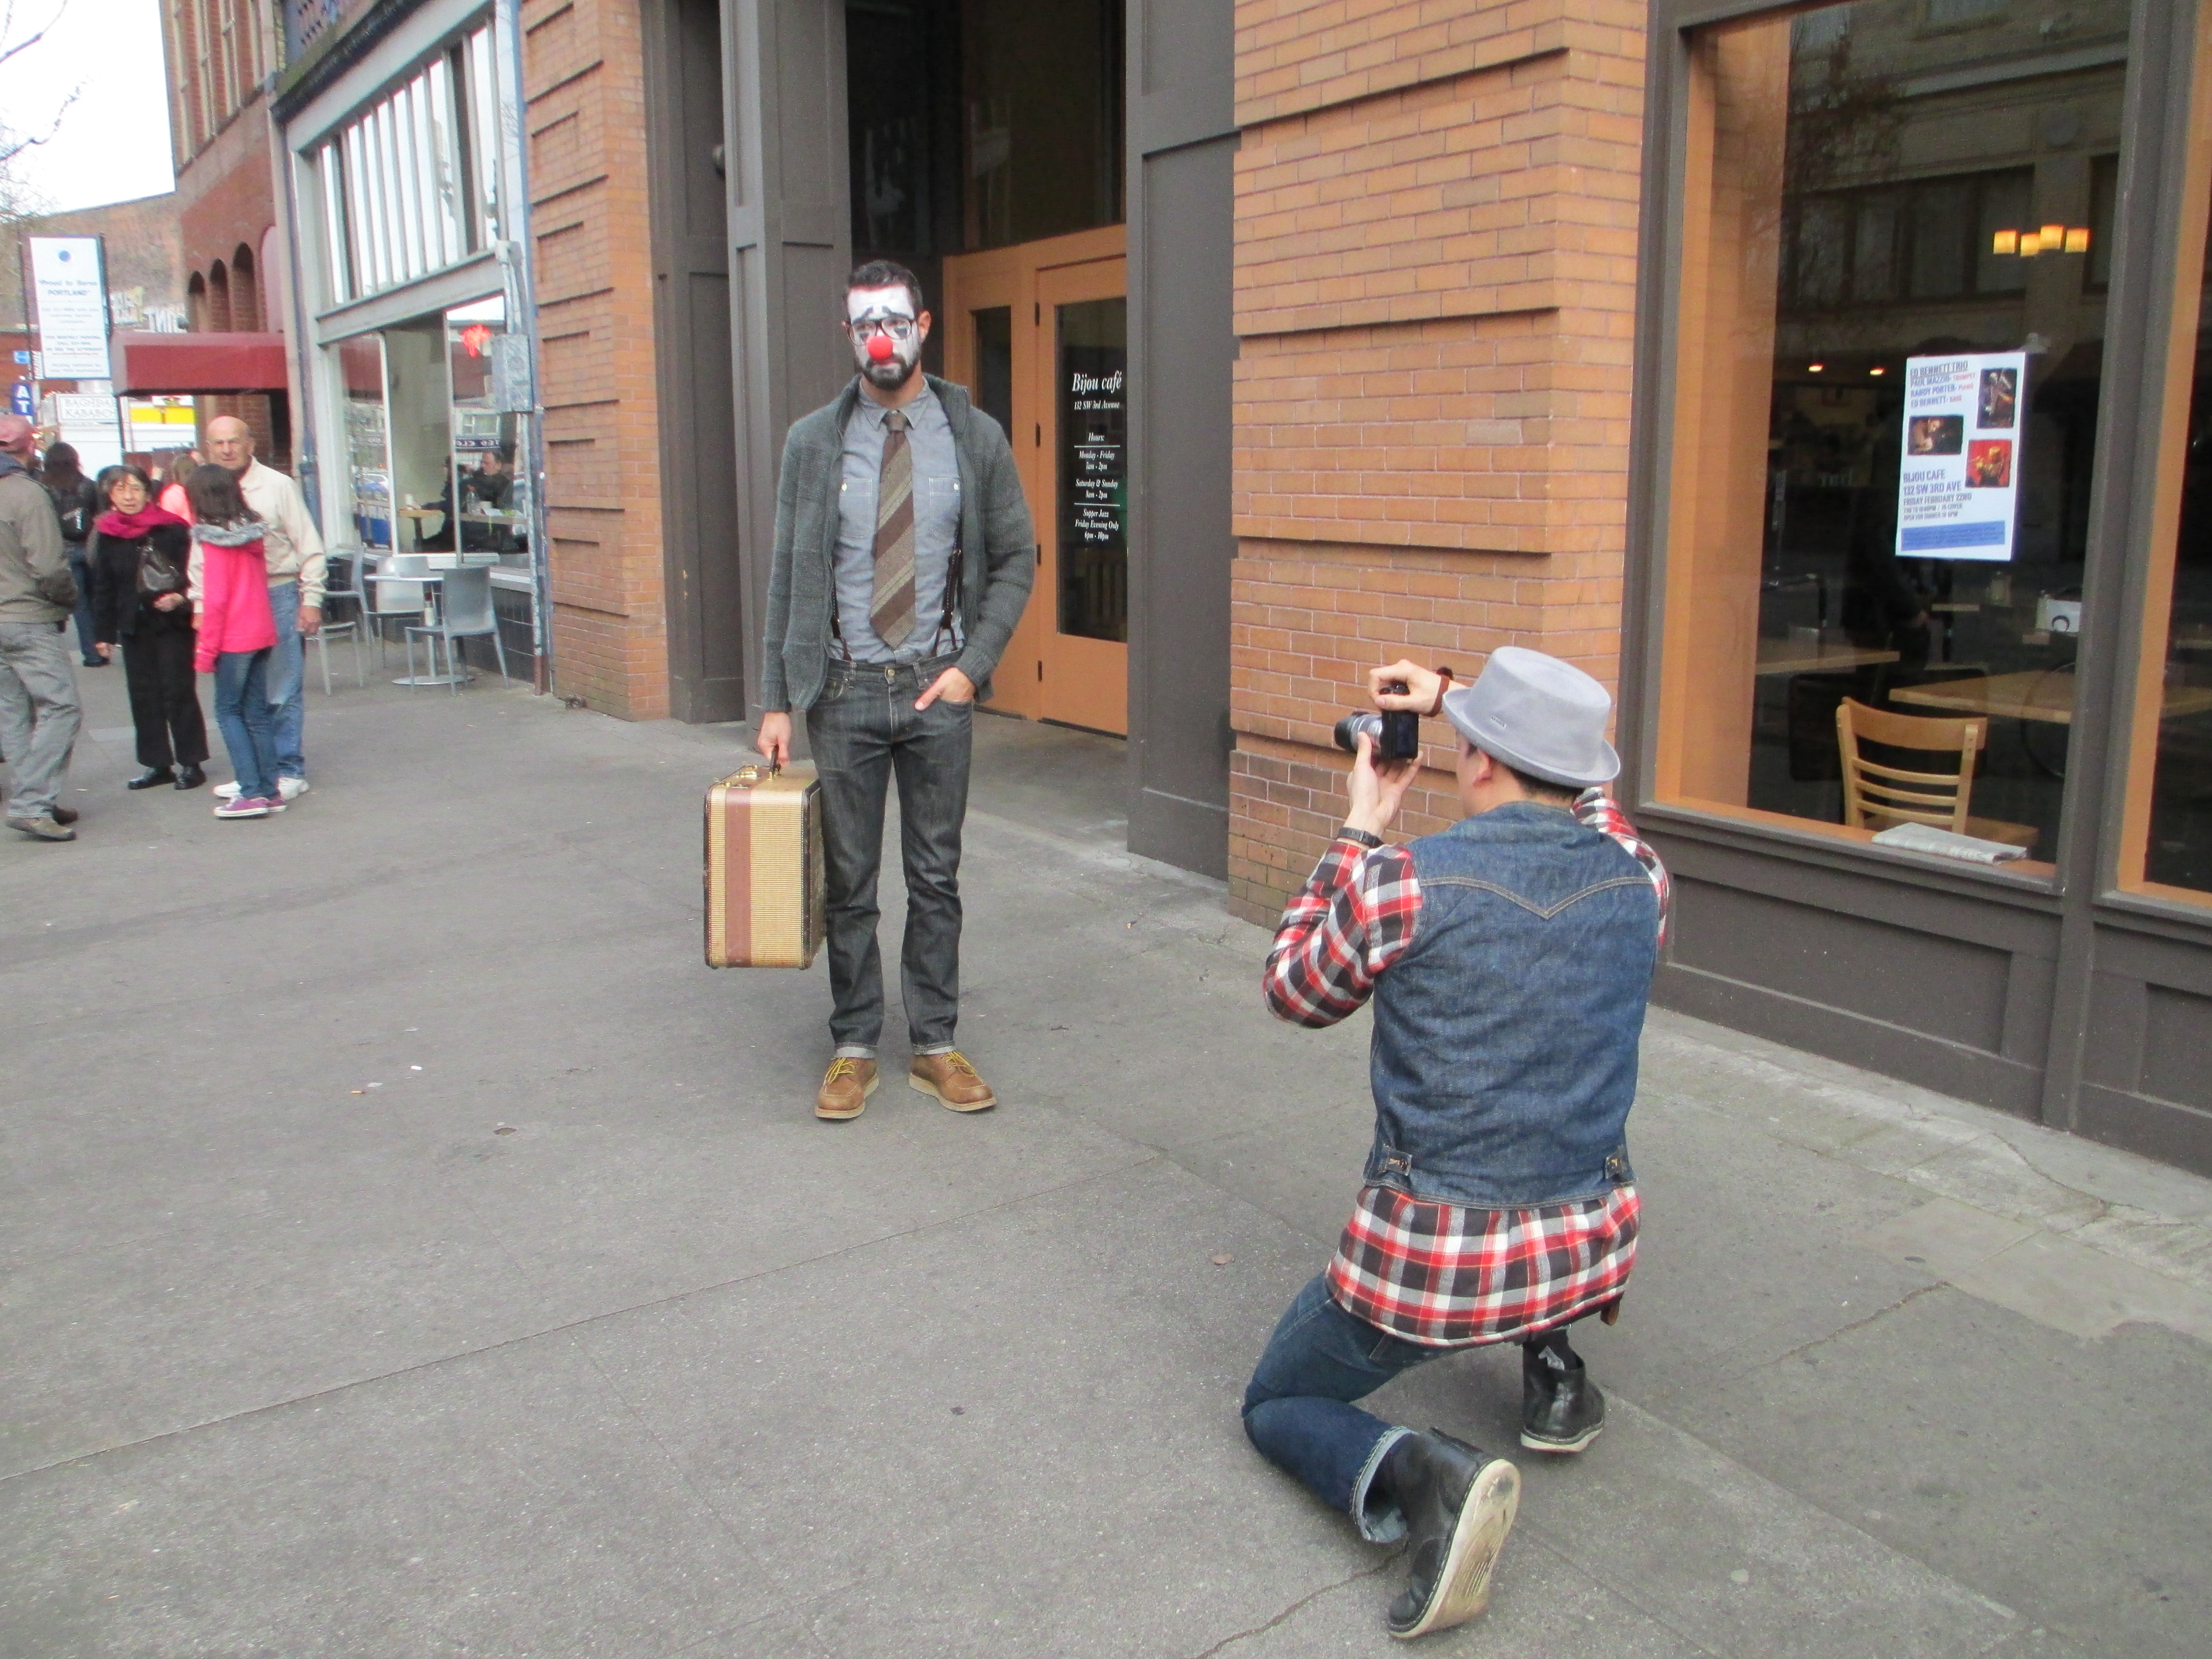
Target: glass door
{"x":1038,"y":333}
{"x":1084,"y":574}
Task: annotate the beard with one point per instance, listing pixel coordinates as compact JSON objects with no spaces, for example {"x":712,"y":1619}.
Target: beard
{"x":891,"y":373}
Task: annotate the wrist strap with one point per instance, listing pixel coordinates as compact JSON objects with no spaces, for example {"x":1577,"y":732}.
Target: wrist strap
{"x":1438,"y":707}
{"x":1347,"y":833}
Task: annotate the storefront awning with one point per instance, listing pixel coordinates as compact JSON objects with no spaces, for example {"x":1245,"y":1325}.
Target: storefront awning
{"x":185,"y":365}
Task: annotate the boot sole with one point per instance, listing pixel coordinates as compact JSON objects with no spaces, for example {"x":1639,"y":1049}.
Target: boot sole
{"x":1576,"y":1445}
{"x":834,"y":1116}
{"x":923,"y":1087}
{"x":1463,"y":1587}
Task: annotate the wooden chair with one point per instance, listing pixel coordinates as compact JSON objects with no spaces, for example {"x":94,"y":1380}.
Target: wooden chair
{"x":1877,"y":796}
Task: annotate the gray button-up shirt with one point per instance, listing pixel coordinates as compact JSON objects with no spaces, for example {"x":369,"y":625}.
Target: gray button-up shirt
{"x":936,"y":527}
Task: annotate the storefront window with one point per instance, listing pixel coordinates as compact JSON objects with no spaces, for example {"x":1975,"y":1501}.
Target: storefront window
{"x":1890,"y":324}
{"x":2168,"y":826}
{"x":410,"y":185}
{"x":493,"y":493}
{"x":359,"y":364}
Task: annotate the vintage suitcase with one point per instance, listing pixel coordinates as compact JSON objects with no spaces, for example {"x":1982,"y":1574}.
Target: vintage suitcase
{"x":764,"y":907}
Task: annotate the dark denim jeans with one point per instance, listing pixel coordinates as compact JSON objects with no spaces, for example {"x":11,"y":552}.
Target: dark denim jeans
{"x":1298,"y":1407}
{"x":86,"y":624}
{"x":248,"y":723}
{"x":864,"y":729}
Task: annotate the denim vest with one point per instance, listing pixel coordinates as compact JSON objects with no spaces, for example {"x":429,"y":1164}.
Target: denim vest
{"x":1504,"y":1062}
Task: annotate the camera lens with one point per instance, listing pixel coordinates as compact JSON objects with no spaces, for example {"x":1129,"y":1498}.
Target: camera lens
{"x":1349,"y":728}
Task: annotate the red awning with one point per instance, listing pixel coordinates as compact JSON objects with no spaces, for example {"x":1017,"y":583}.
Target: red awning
{"x":185,"y":365}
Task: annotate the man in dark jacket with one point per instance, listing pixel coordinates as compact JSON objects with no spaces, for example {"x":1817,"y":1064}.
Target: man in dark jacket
{"x":39,"y":709}
{"x":903,"y":557}
{"x":1509,"y":959}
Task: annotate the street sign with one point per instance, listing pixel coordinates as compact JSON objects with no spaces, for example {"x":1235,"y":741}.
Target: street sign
{"x":23,"y":401}
{"x":23,"y":357}
{"x":66,"y":273}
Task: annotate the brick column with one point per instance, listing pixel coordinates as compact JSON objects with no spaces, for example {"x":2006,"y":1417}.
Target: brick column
{"x":584,"y":81}
{"x":1436,"y":282}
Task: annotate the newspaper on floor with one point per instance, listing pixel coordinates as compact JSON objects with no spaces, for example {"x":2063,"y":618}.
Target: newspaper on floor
{"x":1946,"y":843}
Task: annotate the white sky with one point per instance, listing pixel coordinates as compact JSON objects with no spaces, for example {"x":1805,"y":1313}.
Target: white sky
{"x":113,"y":144}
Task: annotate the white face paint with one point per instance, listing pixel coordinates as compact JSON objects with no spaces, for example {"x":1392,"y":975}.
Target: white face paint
{"x":890,"y":369}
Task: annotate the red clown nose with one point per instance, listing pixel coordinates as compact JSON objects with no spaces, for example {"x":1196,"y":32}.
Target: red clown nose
{"x":880,"y":349}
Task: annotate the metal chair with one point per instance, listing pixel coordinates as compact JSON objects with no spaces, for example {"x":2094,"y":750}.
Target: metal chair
{"x":465,"y":611}
{"x":348,"y":560}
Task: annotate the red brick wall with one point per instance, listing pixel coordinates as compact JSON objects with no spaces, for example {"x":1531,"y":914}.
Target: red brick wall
{"x":585,"y":131}
{"x":1436,"y":273}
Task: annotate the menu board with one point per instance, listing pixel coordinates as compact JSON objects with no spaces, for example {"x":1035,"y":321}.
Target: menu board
{"x":1094,"y":471}
{"x":1957,"y":483}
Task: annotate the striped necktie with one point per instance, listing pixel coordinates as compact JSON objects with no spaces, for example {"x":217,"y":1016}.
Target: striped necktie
{"x":890,"y":612}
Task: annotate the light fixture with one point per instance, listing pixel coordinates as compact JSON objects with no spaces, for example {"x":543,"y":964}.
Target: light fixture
{"x":1877,"y":369}
{"x":2051,"y":239}
{"x":1815,"y":369}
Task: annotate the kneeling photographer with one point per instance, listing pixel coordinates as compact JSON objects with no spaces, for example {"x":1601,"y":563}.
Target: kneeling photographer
{"x":1509,"y":958}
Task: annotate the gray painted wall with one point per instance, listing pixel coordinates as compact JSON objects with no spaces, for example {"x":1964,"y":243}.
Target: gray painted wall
{"x":1183,"y":139}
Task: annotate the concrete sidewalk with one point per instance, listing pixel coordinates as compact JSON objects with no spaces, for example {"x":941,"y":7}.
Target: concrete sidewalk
{"x":411,"y":1249}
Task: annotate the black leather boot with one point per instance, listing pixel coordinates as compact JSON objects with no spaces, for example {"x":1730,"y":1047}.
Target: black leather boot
{"x":190,"y":778}
{"x":1459,"y":1503}
{"x":1561,"y":1409}
{"x":152,"y":778}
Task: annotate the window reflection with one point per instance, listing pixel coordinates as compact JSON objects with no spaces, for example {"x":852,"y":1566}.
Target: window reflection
{"x":1867,"y":202}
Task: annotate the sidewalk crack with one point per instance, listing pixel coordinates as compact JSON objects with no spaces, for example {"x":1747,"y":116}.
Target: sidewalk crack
{"x":1298,"y":1606}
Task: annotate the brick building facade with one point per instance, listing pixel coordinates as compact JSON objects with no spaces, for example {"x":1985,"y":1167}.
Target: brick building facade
{"x":585,"y":134}
{"x":221,"y":55}
{"x":1434,"y":288}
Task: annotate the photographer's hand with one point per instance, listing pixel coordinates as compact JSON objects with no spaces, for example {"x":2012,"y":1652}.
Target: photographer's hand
{"x":1422,"y":686}
{"x":1376,"y":792}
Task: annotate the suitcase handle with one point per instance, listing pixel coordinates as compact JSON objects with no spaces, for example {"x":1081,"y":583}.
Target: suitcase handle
{"x":746,"y":776}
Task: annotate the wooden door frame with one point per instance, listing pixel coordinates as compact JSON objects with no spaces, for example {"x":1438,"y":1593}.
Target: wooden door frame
{"x":1014,"y":277}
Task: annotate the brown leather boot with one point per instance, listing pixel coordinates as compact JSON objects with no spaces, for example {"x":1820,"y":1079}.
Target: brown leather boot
{"x":846,"y":1087}
{"x":952,"y":1080}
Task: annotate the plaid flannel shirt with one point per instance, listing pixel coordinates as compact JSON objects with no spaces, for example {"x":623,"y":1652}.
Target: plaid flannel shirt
{"x":1444,"y":1275}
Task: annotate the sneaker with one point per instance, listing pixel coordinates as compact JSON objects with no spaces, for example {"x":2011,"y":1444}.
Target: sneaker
{"x":846,"y":1087}
{"x":952,"y":1080}
{"x":43,"y":827}
{"x":247,"y":806}
{"x":287,"y":789}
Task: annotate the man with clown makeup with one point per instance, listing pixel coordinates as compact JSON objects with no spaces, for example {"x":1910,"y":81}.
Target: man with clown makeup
{"x":903,"y":557}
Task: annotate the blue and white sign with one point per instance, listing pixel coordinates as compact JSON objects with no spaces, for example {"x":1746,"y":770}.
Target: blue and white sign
{"x":1957,"y":486}
{"x":23,"y":357}
{"x":66,"y":273}
{"x":23,"y":401}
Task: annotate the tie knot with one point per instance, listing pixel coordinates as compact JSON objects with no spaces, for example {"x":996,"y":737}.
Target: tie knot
{"x":895,"y":420}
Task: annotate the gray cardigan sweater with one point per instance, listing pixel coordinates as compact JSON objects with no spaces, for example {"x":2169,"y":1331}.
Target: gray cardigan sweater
{"x":1000,"y":544}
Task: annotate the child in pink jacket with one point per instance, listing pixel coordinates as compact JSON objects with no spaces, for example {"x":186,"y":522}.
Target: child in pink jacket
{"x":237,"y":637}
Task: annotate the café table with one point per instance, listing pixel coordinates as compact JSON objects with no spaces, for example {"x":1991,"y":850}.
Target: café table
{"x":427,"y":581}
{"x":2037,"y":694}
{"x":1815,"y":657}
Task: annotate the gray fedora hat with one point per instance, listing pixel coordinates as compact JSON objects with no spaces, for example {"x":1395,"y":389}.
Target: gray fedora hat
{"x":1538,"y":715}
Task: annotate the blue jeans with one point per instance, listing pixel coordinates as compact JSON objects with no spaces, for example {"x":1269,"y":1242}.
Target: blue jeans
{"x":248,"y":723}
{"x":863,"y":730}
{"x":288,"y":681}
{"x":86,"y":624}
{"x":1298,"y":1407}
